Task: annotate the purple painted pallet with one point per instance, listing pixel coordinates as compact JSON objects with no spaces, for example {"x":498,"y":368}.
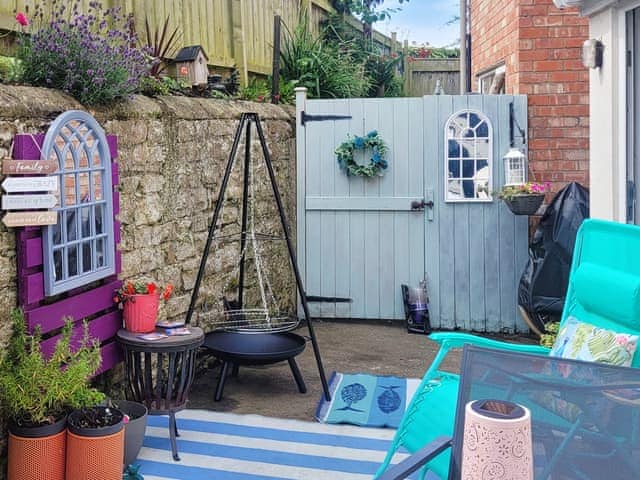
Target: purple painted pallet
{"x":78,"y":304}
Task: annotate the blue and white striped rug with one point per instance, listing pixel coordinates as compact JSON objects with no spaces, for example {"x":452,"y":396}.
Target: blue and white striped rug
{"x":226,"y":446}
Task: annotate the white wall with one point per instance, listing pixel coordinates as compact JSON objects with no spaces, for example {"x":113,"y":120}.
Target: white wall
{"x":607,"y":164}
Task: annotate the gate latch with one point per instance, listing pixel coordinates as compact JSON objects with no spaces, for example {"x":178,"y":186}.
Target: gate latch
{"x":419,"y":205}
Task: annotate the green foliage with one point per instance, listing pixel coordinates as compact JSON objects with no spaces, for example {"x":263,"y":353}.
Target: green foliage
{"x":384,"y":79}
{"x":10,"y":69}
{"x":327,"y":69}
{"x":37,"y":391}
{"x":435,"y":52}
{"x":88,"y":55}
{"x":366,"y":11}
{"x":548,"y":339}
{"x":257,"y":90}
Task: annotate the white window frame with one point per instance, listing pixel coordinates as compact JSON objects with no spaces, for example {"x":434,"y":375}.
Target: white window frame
{"x":491,"y":74}
{"x":489,"y":158}
{"x":82,"y":212}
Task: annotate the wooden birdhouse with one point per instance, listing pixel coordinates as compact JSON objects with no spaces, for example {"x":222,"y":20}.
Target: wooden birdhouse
{"x":191,"y":65}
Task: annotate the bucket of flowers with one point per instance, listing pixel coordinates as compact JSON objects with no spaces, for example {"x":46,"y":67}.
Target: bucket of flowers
{"x":139,"y":302}
{"x":524,"y":198}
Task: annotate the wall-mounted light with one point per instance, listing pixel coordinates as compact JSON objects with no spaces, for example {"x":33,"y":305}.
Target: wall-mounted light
{"x":515,"y":161}
{"x":592,"y":51}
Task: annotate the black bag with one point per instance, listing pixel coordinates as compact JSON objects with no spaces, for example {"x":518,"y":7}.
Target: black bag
{"x":416,"y":308}
{"x":544,"y":282}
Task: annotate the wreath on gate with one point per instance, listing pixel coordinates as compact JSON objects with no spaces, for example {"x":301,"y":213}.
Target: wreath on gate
{"x":377,"y":163}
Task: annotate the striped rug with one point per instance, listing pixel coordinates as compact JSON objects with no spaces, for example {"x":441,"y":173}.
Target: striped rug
{"x":226,"y":446}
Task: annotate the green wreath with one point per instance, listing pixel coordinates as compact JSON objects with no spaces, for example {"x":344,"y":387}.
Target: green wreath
{"x":344,"y":154}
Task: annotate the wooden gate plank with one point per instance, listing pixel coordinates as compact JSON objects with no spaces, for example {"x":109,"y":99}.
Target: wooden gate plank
{"x":477,"y":244}
{"x":433,"y":171}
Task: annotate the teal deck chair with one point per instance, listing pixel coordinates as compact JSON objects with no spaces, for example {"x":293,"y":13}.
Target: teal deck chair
{"x":604,"y":290}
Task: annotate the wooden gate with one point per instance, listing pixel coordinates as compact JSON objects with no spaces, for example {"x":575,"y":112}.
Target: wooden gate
{"x":359,"y":238}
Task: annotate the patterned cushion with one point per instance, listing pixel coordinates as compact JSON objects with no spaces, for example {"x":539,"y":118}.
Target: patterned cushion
{"x":583,"y":341}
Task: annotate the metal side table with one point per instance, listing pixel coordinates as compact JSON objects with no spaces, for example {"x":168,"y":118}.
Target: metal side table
{"x":160,"y":372}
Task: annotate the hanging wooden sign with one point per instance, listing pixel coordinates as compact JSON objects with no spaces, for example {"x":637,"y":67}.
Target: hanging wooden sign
{"x":30,"y":184}
{"x":28,"y":202}
{"x":27,"y":219}
{"x":29,"y":167}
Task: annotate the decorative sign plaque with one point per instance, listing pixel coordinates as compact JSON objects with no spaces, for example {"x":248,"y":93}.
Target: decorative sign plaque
{"x":25,"y":219}
{"x":29,"y":167}
{"x":28,"y":202}
{"x":30,"y":184}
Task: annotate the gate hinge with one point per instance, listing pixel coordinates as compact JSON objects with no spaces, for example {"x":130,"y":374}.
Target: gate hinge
{"x":305,"y":117}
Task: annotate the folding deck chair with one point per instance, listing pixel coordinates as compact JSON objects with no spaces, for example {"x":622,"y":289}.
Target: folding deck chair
{"x":585,"y":416}
{"x":604,"y":290}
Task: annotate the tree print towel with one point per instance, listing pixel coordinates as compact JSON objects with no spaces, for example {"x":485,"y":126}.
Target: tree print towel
{"x":366,"y":400}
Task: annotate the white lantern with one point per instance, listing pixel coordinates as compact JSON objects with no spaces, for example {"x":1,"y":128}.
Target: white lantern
{"x":515,"y":167}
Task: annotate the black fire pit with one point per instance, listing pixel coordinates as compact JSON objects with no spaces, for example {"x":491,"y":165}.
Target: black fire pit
{"x":235,"y":349}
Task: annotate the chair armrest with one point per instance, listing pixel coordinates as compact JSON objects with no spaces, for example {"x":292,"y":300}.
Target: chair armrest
{"x":412,"y":463}
{"x":458,"y":340}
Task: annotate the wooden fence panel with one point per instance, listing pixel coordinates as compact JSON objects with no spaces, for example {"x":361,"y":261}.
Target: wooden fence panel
{"x":234,"y":33}
{"x":422,"y":75}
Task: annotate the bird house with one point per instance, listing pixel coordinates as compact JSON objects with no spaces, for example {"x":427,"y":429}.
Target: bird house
{"x":191,"y":65}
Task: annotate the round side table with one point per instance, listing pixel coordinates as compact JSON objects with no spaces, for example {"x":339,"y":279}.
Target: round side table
{"x":160,"y":373}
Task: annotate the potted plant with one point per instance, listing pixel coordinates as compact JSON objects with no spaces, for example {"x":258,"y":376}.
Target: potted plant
{"x":525,"y":198}
{"x":36,"y":394}
{"x":134,"y":428}
{"x":139,"y":302}
{"x":95,"y":443}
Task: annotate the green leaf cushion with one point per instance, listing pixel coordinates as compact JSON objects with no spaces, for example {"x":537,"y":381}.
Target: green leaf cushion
{"x":583,"y":341}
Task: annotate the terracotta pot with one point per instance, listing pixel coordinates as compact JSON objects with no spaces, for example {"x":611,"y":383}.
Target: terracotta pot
{"x":37,"y":453}
{"x":95,"y":453}
{"x":141,"y":312}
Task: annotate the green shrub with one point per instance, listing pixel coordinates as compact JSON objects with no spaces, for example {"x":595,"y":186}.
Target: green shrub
{"x":327,"y":69}
{"x":38,"y":391}
{"x":89,"y":55}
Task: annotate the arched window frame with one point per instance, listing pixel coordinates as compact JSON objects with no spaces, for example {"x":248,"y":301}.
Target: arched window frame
{"x":90,"y":214}
{"x":482,"y":151}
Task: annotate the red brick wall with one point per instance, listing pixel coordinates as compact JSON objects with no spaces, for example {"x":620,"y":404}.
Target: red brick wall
{"x":543,"y":60}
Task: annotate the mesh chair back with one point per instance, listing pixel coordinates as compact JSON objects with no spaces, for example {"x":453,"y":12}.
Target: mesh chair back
{"x":585,"y":415}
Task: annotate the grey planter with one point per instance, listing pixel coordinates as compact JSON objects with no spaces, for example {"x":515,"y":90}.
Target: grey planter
{"x":134,"y":429}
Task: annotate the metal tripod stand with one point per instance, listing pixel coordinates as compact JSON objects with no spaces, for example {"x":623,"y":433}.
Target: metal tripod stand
{"x":246,"y":120}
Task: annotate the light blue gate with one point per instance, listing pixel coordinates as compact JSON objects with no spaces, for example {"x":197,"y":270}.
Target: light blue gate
{"x":359,"y":238}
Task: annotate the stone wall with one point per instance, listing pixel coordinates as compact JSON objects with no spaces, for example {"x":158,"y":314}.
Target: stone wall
{"x":172,"y":155}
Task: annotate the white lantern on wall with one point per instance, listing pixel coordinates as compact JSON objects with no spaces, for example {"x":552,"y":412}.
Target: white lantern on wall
{"x":515,"y":167}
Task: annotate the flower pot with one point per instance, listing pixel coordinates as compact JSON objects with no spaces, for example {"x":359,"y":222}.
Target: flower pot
{"x":526,"y":204}
{"x":141,"y":312}
{"x":134,"y":429}
{"x":37,"y":453}
{"x":95,"y":453}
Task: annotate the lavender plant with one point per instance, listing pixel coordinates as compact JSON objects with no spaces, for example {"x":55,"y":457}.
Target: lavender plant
{"x":91,"y":55}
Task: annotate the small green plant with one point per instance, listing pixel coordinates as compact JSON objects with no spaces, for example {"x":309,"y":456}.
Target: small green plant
{"x":529,"y":188}
{"x":37,"y":391}
{"x":548,"y":339}
{"x":257,"y":91}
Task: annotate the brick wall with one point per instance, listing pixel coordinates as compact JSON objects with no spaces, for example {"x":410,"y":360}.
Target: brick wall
{"x":542,"y":54}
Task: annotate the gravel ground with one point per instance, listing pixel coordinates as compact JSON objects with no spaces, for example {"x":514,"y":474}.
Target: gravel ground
{"x":379,"y":347}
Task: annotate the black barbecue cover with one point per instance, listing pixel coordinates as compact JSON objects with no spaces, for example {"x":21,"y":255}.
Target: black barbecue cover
{"x":543,"y":284}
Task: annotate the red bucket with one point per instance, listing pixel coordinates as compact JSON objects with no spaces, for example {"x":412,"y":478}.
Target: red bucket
{"x":141,"y":312}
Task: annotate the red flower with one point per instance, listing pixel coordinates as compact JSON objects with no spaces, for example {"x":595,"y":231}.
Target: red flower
{"x":151,"y":288}
{"x":116,"y":299}
{"x":167,"y":292}
{"x":22,"y":19}
{"x":130,"y":288}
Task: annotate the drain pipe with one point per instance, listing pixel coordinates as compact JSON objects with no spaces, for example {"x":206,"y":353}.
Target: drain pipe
{"x":465,"y":47}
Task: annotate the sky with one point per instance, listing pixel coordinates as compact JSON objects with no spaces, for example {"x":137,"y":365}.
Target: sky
{"x":422,"y":21}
